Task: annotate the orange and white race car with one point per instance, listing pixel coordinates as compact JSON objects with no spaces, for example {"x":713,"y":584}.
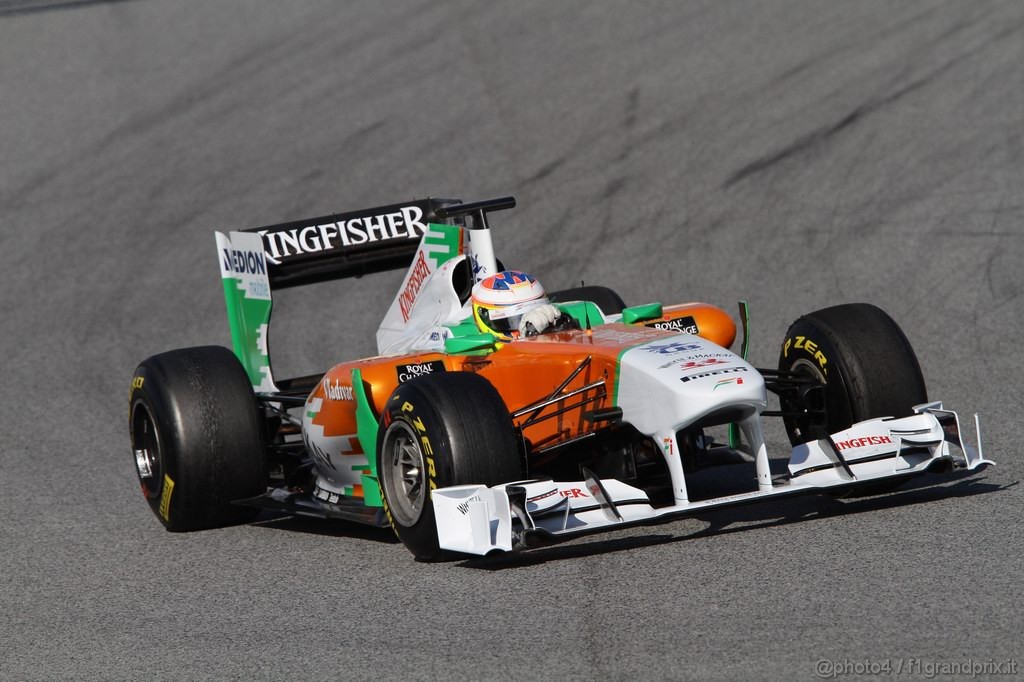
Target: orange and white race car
{"x":468,"y":440}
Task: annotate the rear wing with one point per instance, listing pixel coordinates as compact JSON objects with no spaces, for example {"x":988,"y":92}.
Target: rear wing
{"x":255,"y":262}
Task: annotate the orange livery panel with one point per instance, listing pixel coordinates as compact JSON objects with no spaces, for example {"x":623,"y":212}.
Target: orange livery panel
{"x":699,"y":319}
{"x":526,"y":373}
{"x":547,"y":382}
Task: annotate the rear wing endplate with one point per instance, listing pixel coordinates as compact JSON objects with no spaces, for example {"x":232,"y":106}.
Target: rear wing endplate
{"x":255,"y":262}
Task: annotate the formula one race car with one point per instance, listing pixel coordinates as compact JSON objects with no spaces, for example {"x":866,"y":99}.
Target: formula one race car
{"x":467,"y":443}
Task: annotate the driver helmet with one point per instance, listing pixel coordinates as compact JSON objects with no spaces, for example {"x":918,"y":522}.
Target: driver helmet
{"x":500,"y":300}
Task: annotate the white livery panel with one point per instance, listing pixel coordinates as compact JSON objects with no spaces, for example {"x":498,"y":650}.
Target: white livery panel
{"x":676,"y":381}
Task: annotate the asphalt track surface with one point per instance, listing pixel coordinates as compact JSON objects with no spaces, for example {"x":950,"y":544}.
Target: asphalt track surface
{"x":792,"y":154}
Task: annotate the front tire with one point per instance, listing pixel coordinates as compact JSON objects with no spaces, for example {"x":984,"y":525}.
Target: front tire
{"x":437,"y":431}
{"x":865,"y":361}
{"x":197,"y":438}
{"x":866,"y":365}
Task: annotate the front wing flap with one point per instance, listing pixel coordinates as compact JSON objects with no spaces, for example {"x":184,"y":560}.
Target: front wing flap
{"x":476,"y":519}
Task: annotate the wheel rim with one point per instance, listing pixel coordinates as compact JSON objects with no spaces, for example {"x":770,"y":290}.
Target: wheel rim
{"x":812,"y":421}
{"x":404,"y":473}
{"x":146,"y":443}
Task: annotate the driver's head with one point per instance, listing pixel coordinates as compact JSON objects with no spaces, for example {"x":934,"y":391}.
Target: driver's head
{"x":500,"y":301}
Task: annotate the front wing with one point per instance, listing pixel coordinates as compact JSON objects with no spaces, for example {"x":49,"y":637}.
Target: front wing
{"x":476,"y":519}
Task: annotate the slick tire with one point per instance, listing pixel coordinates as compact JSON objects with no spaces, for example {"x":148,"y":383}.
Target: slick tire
{"x":437,"y":431}
{"x":604,"y":298}
{"x":197,"y":438}
{"x":868,"y":368}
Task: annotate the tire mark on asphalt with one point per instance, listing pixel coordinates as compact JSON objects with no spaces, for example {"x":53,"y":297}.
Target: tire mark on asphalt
{"x":249,"y":64}
{"x":629,"y":123}
{"x":544,"y":171}
{"x":1009,"y":289}
{"x":219,"y":85}
{"x":612,"y":189}
{"x":960,"y":26}
{"x":609,"y":231}
{"x":823,"y":134}
{"x":831,"y":232}
{"x":837,"y":51}
{"x":35,"y":7}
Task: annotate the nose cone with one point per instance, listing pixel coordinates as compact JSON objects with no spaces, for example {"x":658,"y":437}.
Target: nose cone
{"x":668,"y":384}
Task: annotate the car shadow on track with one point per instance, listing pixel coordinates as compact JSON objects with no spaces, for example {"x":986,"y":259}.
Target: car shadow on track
{"x":768,"y":514}
{"x":329,"y":527}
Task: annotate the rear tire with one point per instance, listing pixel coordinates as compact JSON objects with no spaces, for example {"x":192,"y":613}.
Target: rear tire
{"x":604,"y":298}
{"x":197,"y":437}
{"x":868,"y":368}
{"x":437,"y":431}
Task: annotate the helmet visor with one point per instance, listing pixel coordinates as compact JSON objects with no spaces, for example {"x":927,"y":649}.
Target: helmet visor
{"x":506,"y":319}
